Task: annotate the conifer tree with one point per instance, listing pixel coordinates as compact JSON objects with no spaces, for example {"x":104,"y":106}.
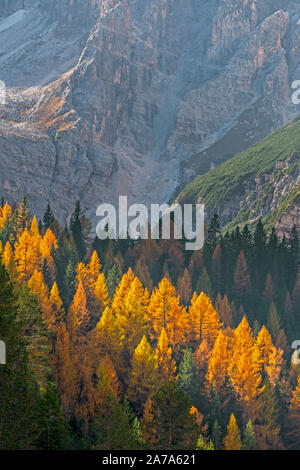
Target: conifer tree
{"x":112,"y":280}
{"x":249,"y":441}
{"x":266,"y":423}
{"x":69,"y":285}
{"x":53,"y":430}
{"x":204,"y":283}
{"x":232,"y":440}
{"x":58,"y":312}
{"x":176,"y":427}
{"x":143,"y":380}
{"x":242,"y":280}
{"x":216,"y":435}
{"x":48,"y":217}
{"x":204,"y":320}
{"x":23,"y":216}
{"x":27,"y":255}
{"x":76,"y":230}
{"x":18,"y":388}
{"x":165,"y":311}
{"x":244,"y":369}
{"x":184,"y":287}
{"x":274,"y":323}
{"x":187,"y":378}
{"x":166,"y":366}
{"x":79,"y":315}
{"x":219,"y":362}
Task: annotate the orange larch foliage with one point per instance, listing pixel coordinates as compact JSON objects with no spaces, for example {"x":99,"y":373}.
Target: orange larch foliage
{"x":204,"y":320}
{"x":5,"y":214}
{"x":143,"y":380}
{"x":219,"y":362}
{"x":233,"y":439}
{"x":166,"y":366}
{"x":27,"y":254}
{"x":244,"y":367}
{"x":270,"y":357}
{"x":79,"y":315}
{"x":107,"y":379}
{"x":38,"y":287}
{"x":57,"y":310}
{"x":165,"y":311}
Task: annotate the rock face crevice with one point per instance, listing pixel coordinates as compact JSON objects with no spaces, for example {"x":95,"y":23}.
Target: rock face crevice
{"x":110,"y":97}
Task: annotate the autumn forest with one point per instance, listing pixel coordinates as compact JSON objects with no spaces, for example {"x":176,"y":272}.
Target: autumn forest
{"x":122,"y":344}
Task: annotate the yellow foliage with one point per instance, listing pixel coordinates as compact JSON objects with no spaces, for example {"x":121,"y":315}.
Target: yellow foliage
{"x":233,"y":439}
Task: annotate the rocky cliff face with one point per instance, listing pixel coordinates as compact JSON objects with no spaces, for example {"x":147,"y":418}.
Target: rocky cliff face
{"x":135,"y":97}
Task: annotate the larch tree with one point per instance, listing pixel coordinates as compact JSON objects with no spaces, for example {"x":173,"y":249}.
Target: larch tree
{"x":166,"y":366}
{"x":57,"y":310}
{"x":232,"y":441}
{"x":204,"y":320}
{"x":79,"y":316}
{"x":131,"y":317}
{"x":143,"y":380}
{"x":270,"y":358}
{"x":5,"y":214}
{"x":165,"y":311}
{"x":242,"y":279}
{"x":38,"y":287}
{"x":244,"y":367}
{"x":108,"y":382}
{"x":27,"y":255}
{"x":219,"y":362}
{"x":184,"y":287}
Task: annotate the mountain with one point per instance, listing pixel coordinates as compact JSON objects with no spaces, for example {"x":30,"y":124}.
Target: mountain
{"x":137,"y":98}
{"x":260,"y":182}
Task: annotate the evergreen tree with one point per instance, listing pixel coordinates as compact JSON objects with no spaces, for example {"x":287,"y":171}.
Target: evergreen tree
{"x":112,"y":280}
{"x":48,"y":217}
{"x":188,"y":380}
{"x":23,"y":216}
{"x":204,"y":284}
{"x":249,"y":441}
{"x":274,"y":324}
{"x":176,"y":427}
{"x":53,"y":434}
{"x":76,"y":230}
{"x":18,"y":388}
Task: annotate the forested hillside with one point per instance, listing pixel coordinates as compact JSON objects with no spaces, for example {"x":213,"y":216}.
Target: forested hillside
{"x":134,"y":345}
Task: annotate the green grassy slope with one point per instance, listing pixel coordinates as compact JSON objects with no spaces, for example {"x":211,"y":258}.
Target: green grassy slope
{"x":227,"y":181}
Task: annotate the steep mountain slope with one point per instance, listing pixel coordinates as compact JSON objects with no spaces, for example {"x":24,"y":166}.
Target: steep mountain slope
{"x":135,"y":97}
{"x":263,"y":181}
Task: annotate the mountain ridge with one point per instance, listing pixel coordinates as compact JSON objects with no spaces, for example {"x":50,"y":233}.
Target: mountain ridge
{"x":109,"y":98}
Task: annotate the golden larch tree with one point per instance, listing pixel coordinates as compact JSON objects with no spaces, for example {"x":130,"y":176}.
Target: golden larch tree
{"x":57,"y":310}
{"x":166,"y":366}
{"x":219,"y":362}
{"x":204,"y":320}
{"x":38,"y":287}
{"x":27,"y":255}
{"x":165,"y":311}
{"x":143,"y":380}
{"x":5,"y":214}
{"x":244,"y":367}
{"x":232,"y":441}
{"x":270,"y":357}
{"x":79,"y":315}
